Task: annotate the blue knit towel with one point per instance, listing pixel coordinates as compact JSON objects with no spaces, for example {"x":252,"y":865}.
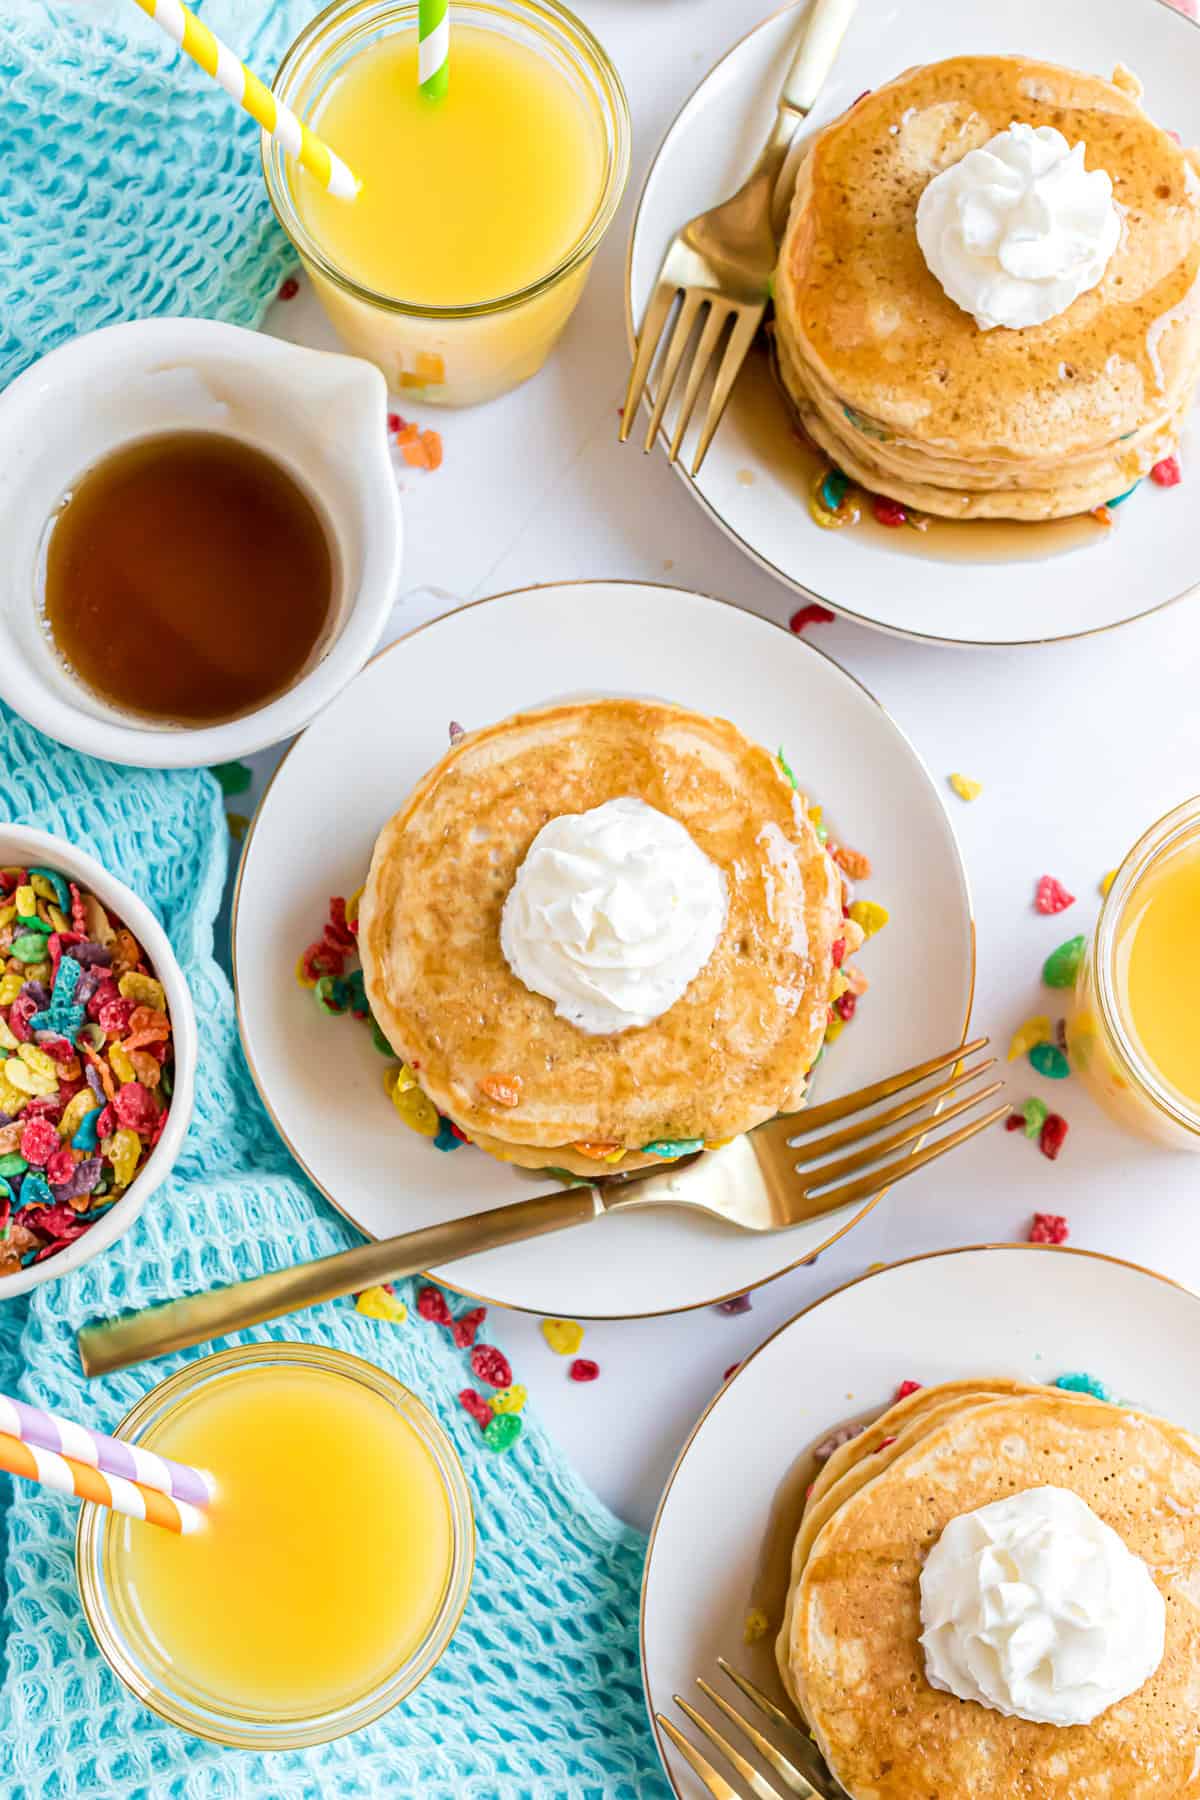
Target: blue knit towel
{"x":127,"y":186}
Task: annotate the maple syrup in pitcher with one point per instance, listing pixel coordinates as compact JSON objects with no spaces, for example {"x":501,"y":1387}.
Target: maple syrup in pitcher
{"x":188,"y":577}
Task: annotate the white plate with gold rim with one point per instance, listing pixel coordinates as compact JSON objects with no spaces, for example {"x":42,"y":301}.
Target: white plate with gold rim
{"x":321,"y":1078}
{"x":721,"y":1541}
{"x":957,"y":584}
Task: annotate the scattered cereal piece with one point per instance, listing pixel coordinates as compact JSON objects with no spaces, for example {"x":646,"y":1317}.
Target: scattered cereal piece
{"x":812,"y":614}
{"x":583,"y":1369}
{"x":1014,"y":1121}
{"x":786,"y":766}
{"x":1034,"y":1031}
{"x":381,"y":1303}
{"x":1048,"y":1228}
{"x":905,"y":1389}
{"x":491,"y":1365}
{"x":756,"y":1625}
{"x":465,"y":1330}
{"x":1034,"y":1114}
{"x":835,"y":1440}
{"x":740,"y":1303}
{"x":1107,"y":881}
{"x":502,"y":1433}
{"x":731,"y":1370}
{"x":431,"y":1305}
{"x":416,"y":1109}
{"x":1052,"y":896}
{"x":477,"y":1406}
{"x":232,"y":777}
{"x":1050,"y":1062}
{"x":1081,"y":1383}
{"x":966,"y":787}
{"x":851,"y":862}
{"x":1063,"y":965}
{"x":888,"y":512}
{"x":289,"y":287}
{"x":1053,"y":1137}
{"x":509,"y":1400}
{"x":869,"y":916}
{"x":1167,"y":473}
{"x":564,"y":1336}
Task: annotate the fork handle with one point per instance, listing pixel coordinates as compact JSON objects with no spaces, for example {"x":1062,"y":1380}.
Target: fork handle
{"x":110,"y":1344}
{"x":827,"y":23}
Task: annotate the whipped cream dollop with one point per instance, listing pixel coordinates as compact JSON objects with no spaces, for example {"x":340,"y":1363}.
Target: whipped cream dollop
{"x":1018,"y":229}
{"x":1035,"y":1607}
{"x":612,"y":914}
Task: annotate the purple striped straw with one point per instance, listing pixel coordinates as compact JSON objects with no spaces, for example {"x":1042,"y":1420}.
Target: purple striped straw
{"x":47,"y":1431}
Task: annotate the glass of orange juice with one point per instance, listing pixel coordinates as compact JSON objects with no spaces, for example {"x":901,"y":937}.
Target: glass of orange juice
{"x":333,"y":1566}
{"x":1134,"y":1033}
{"x":479,"y":212}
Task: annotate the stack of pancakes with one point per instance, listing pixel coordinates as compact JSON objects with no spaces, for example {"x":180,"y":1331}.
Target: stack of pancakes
{"x":494,"y":1057}
{"x":902,"y":389}
{"x":849,"y":1651}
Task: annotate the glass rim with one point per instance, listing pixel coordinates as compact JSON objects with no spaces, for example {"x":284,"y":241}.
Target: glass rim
{"x":551,"y":19}
{"x":1156,"y":842}
{"x":211,"y":1719}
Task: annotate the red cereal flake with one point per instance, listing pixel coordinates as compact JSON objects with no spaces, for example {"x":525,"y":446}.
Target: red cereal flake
{"x":114,"y":1017}
{"x":888,"y":512}
{"x":1167,"y":473}
{"x":731,"y":1370}
{"x":106,"y":1124}
{"x":337,"y":930}
{"x":464,"y":1331}
{"x":160,"y":1127}
{"x":289,"y":288}
{"x":60,"y":1167}
{"x":135,"y":1108}
{"x":1052,"y":896}
{"x":39,"y":1141}
{"x":431,"y":1305}
{"x":322,"y":958}
{"x":1049,"y":1228}
{"x":905,"y":1389}
{"x":883,"y":1444}
{"x":813,"y":614}
{"x":395,"y":422}
{"x":477,"y":1406}
{"x":1053,"y":1135}
{"x":584,"y":1369}
{"x":845,"y":1004}
{"x":839,"y":952}
{"x":491,"y":1366}
{"x":1015,"y":1122}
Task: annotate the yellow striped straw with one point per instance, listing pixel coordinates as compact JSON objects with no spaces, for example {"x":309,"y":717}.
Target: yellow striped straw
{"x":243,"y":85}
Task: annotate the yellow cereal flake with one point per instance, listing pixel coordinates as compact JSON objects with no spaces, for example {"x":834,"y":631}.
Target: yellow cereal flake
{"x":352,"y":906}
{"x":381,"y":1303}
{"x":10,"y":987}
{"x":816,"y":816}
{"x":122,"y":1068}
{"x":124,"y":1149}
{"x":1108,"y":880}
{"x":756,"y":1625}
{"x":1037,"y":1030}
{"x":869,"y":916}
{"x":834,"y":1029}
{"x":966,"y":787}
{"x":12,"y":1100}
{"x":45,"y":890}
{"x":7,"y":1040}
{"x":26,"y":901}
{"x":302,"y":976}
{"x":509,"y":1399}
{"x":415,"y":1108}
{"x":143,"y":990}
{"x":840,"y":984}
{"x":75,"y":1112}
{"x":564,"y":1336}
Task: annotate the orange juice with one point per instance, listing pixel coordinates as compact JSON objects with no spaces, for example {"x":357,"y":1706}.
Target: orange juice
{"x":331,"y":1560}
{"x":1134,"y":1034}
{"x":466,"y":198}
{"x":460,"y":261}
{"x":1158,"y":969}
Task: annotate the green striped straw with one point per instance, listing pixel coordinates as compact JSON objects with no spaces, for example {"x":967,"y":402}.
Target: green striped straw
{"x":433,"y":47}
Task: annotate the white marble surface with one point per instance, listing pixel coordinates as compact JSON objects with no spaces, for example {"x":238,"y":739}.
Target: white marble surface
{"x":1079,"y":747}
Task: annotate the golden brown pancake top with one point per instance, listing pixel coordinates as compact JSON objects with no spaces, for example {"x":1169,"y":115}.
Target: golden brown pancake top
{"x":734,"y":1050}
{"x":895,"y":348}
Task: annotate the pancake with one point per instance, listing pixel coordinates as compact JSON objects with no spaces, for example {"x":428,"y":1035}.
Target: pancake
{"x":902,"y":388}
{"x":885,"y":1732}
{"x":855,"y":1463}
{"x":734,"y":1050}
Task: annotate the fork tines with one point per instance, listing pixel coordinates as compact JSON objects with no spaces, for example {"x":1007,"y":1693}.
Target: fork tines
{"x":851,"y":1163}
{"x":811,"y":1779}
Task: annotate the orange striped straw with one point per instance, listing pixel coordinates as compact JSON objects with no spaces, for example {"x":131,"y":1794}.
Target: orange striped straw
{"x":66,"y":1476}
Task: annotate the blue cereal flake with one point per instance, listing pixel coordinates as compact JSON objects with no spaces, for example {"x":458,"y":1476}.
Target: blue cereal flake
{"x":671,"y":1148}
{"x":1121,"y":498}
{"x":61,"y":890}
{"x":1081,"y":1383}
{"x":445,"y":1139}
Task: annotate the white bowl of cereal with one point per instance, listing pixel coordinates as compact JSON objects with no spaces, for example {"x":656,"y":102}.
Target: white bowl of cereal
{"x":98,"y":1049}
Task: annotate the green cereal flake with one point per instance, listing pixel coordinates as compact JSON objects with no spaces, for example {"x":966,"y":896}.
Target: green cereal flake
{"x":503,"y":1432}
{"x":1062,"y":965}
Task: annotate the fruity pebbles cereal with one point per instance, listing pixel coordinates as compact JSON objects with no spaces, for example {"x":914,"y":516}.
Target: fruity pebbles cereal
{"x":86,"y":1063}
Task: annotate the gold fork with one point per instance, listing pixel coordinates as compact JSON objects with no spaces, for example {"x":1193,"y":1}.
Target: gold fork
{"x":768,"y":1181}
{"x":722,"y":261}
{"x":813,"y":1778}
